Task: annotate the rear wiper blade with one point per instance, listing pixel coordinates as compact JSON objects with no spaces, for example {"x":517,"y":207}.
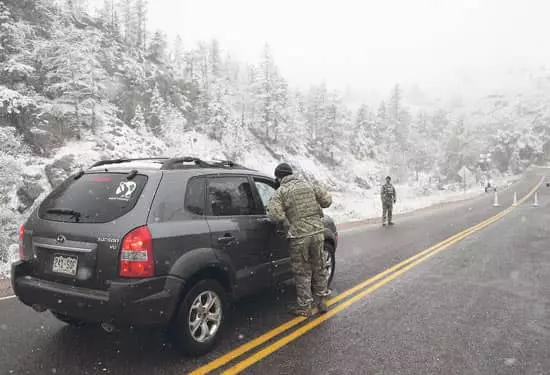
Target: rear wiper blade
{"x":63,"y":211}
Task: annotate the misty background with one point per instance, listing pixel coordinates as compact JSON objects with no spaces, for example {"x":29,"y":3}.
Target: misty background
{"x":467,"y":48}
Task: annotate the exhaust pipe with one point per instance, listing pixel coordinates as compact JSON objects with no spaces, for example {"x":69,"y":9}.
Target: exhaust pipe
{"x":39,"y":308}
{"x":107,"y":327}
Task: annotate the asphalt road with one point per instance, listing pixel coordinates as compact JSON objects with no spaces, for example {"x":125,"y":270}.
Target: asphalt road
{"x":480,"y":306}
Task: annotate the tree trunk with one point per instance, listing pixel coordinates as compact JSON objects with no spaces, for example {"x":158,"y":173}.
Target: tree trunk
{"x":93,"y":119}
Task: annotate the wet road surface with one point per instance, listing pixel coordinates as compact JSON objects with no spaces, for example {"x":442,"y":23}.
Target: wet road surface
{"x":480,"y":306}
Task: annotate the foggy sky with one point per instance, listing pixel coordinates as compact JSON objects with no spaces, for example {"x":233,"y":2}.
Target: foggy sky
{"x":371,"y":44}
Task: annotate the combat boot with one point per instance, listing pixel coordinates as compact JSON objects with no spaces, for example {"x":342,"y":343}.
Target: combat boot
{"x":322,"y":305}
{"x":300,"y":311}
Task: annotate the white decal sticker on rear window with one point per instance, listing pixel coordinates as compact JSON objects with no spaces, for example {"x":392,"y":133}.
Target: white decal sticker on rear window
{"x":124,"y":191}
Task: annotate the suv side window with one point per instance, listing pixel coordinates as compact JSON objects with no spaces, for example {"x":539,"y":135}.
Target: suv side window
{"x":178,"y":200}
{"x":266,"y":190}
{"x":195,"y":196}
{"x":230,"y":196}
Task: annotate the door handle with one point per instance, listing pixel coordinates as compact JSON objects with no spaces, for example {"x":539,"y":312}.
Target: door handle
{"x":265,"y":220}
{"x":226,"y":239}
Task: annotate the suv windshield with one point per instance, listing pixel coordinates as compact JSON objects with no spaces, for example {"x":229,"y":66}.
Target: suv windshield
{"x":93,"y":198}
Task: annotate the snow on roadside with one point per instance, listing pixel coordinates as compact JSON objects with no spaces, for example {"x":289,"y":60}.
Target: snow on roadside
{"x":366,"y":204}
{"x":13,"y":256}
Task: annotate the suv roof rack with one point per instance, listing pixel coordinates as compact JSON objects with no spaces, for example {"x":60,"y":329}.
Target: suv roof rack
{"x":175,"y":163}
{"x":126,"y":160}
{"x":178,"y":163}
{"x":228,"y":163}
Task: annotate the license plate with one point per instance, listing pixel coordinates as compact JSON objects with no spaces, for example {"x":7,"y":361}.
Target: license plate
{"x":64,"y":264}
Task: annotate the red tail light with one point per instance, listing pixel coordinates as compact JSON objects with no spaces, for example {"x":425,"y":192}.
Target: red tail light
{"x":136,"y":256}
{"x":21,"y":245}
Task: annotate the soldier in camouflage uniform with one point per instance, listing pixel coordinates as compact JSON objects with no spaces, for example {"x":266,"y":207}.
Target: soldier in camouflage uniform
{"x":298,"y":207}
{"x":389,"y":197}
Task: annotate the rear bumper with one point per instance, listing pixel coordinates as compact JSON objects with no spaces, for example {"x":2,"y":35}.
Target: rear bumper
{"x":150,"y":301}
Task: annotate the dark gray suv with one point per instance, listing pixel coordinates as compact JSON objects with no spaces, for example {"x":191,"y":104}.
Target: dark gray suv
{"x":155,"y":241}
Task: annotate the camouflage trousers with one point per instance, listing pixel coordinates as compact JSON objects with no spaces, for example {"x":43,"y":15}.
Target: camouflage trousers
{"x":309,"y":270}
{"x":387,"y":211}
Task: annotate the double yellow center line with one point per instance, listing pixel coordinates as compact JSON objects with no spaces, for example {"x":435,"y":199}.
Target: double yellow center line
{"x":358,"y":293}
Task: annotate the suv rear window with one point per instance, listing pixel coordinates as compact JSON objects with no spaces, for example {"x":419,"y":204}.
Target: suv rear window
{"x":93,"y":198}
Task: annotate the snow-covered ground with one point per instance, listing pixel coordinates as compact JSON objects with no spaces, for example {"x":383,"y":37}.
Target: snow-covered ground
{"x":366,"y":204}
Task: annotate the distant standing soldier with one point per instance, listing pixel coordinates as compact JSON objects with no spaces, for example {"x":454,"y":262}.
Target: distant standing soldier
{"x":389,"y":197}
{"x":298,"y":206}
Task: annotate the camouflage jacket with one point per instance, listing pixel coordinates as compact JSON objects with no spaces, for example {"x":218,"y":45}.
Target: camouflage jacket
{"x":388,"y":194}
{"x":298,"y":206}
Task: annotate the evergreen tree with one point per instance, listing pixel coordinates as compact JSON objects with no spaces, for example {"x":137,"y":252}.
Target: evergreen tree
{"x":316,"y":111}
{"x":158,"y":46}
{"x":141,"y":14}
{"x":361,"y":140}
{"x":399,"y":118}
{"x":138,"y":122}
{"x":10,"y":39}
{"x":218,"y":113}
{"x":178,"y":56}
{"x":157,"y":111}
{"x":215,"y":59}
{"x":129,"y":22}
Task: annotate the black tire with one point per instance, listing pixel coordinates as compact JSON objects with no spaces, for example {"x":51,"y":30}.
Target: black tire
{"x":189,"y":345}
{"x":69,"y":320}
{"x":329,"y":248}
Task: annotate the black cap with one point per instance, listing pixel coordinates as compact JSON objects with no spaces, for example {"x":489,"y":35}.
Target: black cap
{"x":388,"y":178}
{"x":283,"y":170}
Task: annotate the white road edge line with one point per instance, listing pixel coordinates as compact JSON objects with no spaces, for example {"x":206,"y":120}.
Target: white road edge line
{"x":6,"y":298}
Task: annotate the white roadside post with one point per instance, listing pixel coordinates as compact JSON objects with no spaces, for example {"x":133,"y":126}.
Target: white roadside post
{"x":536,"y":202}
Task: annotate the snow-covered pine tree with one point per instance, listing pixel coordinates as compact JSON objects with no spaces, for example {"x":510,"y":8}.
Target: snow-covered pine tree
{"x":264,"y":93}
{"x":157,"y":111}
{"x":316,"y":111}
{"x":215,"y":61}
{"x":12,"y":34}
{"x":141,"y":19}
{"x":138,"y":122}
{"x":399,"y":117}
{"x":173,"y":126}
{"x":77,"y":7}
{"x":292,"y":133}
{"x":178,"y":55}
{"x":12,"y":151}
{"x":234,"y":139}
{"x":158,"y":46}
{"x":280,"y":108}
{"x":361,"y":141}
{"x":129,"y":21}
{"x":218,"y":113}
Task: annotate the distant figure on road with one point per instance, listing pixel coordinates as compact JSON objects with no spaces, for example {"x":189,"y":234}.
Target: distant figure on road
{"x":298,"y":207}
{"x":490,"y":186}
{"x":389,"y":197}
